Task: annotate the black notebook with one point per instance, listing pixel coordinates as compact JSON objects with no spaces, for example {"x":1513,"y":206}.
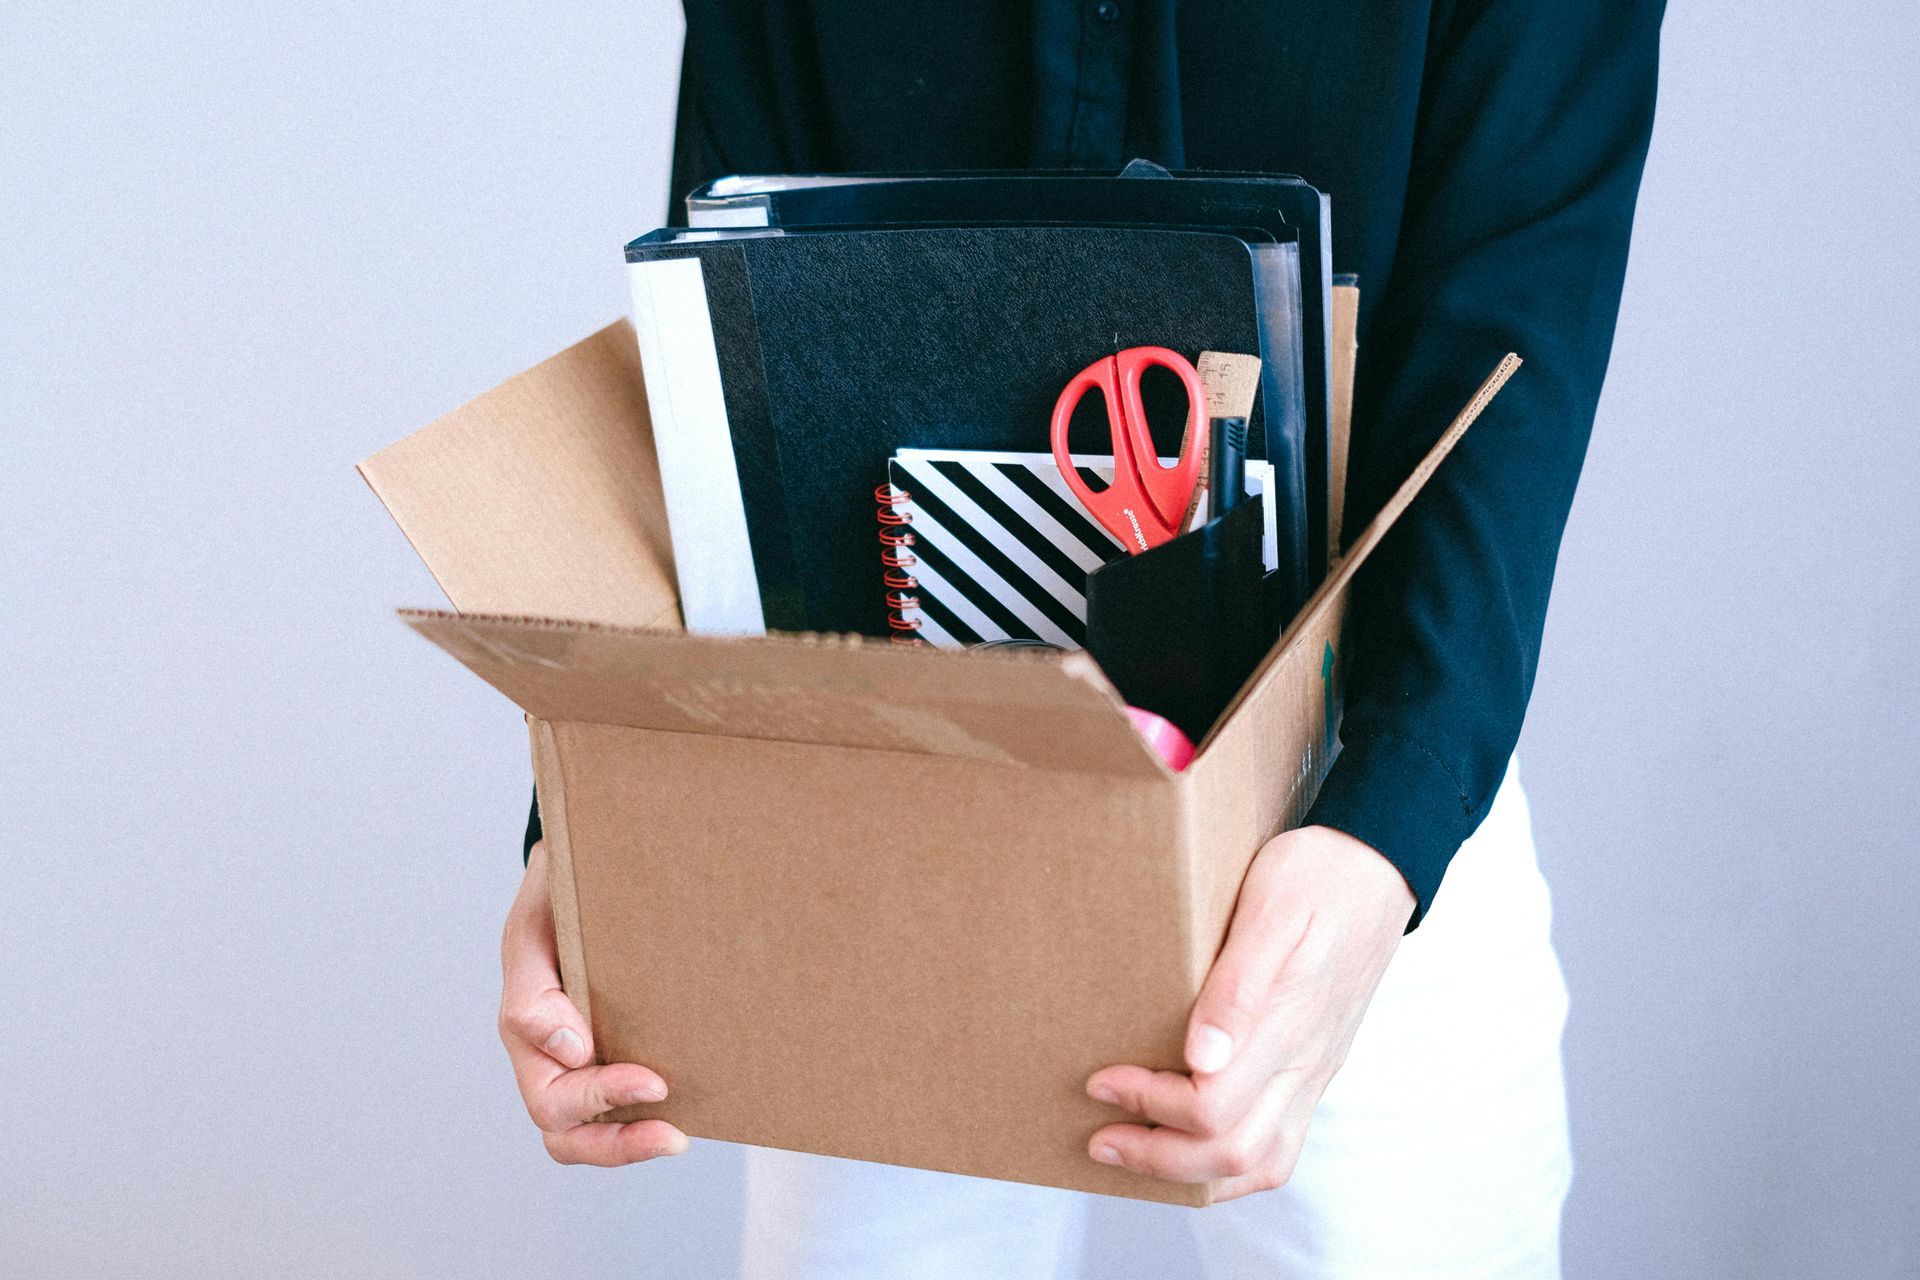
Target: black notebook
{"x":783,"y":370}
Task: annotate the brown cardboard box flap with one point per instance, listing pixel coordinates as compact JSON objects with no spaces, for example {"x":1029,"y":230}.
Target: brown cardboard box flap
{"x":1332,"y":593}
{"x":1042,"y":710}
{"x":542,"y":497}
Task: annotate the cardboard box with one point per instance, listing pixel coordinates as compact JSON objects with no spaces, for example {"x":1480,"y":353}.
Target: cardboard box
{"x":847,"y":897}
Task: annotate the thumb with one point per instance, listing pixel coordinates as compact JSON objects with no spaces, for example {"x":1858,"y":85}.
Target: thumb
{"x":550,"y":1022}
{"x":1234,"y":997}
{"x":534,"y":1009}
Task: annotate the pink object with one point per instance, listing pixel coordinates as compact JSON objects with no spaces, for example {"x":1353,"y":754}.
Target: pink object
{"x":1167,"y":741}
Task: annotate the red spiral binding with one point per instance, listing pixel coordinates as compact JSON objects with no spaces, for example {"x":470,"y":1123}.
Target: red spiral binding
{"x":895,"y":538}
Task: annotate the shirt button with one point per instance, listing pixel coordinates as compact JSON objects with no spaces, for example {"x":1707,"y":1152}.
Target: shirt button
{"x":1106,"y":11}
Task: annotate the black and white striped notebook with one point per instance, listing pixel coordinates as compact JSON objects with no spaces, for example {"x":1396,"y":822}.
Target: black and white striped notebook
{"x":979,"y":545}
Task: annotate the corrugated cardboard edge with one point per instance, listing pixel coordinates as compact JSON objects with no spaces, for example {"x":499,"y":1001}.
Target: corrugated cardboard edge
{"x":1199,"y":881}
{"x":542,"y":495}
{"x":770,"y":687}
{"x":1346,"y":351}
{"x":560,"y":884}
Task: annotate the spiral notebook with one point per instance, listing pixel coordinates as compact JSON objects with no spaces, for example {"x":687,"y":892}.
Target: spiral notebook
{"x":979,"y":545}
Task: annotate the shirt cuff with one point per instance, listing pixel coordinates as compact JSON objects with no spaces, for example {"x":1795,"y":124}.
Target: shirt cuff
{"x":533,"y":831}
{"x":1393,"y":794}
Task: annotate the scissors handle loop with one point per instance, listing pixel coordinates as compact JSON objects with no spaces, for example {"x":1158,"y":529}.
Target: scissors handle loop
{"x":1145,"y":503}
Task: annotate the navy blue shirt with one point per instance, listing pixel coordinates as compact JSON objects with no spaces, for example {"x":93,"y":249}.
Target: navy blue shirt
{"x":1483,"y":157}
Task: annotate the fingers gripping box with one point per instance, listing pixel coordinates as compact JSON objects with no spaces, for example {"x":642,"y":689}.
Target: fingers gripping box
{"x":846,"y":897}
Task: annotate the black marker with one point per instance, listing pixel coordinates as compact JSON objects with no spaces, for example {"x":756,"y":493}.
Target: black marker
{"x":1226,"y":465}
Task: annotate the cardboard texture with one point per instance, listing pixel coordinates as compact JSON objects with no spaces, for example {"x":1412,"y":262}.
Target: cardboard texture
{"x":1345,"y":348}
{"x":847,"y":897}
{"x":542,"y":497}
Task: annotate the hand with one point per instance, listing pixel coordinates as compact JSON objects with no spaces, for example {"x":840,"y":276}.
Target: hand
{"x":551,"y":1047}
{"x":1320,"y":915}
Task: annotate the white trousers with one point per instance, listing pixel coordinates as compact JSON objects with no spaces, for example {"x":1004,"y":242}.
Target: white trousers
{"x":1440,"y":1150}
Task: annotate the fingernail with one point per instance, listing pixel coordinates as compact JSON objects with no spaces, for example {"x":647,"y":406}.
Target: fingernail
{"x":566,"y":1046}
{"x":645,"y":1093}
{"x":676,"y":1145}
{"x":1100,"y":1093}
{"x":1106,"y":1155}
{"x":1210,"y":1049}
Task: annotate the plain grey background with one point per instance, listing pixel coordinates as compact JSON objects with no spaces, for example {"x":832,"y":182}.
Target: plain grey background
{"x":259,"y":838}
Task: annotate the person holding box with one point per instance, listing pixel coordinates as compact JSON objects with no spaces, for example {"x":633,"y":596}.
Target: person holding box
{"x":1374,"y":1062}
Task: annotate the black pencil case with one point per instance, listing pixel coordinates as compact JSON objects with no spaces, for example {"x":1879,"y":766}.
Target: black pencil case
{"x":1178,"y":628}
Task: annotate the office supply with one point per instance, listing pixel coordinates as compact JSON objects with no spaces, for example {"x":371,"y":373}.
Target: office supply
{"x":1144,"y":503}
{"x":1297,"y":277}
{"x":1231,"y":381}
{"x":1178,"y":628}
{"x":782,"y":370}
{"x":982,"y":545}
{"x":1227,"y":462}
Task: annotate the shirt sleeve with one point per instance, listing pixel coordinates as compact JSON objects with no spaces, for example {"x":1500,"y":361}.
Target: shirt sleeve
{"x":1532,"y":132}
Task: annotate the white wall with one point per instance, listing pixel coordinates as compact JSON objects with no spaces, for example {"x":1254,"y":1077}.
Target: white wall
{"x":259,"y":837}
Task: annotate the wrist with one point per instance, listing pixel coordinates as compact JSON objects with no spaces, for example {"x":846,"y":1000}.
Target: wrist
{"x":1366,"y":879}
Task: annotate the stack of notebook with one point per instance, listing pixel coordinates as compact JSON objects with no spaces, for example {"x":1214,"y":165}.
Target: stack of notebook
{"x":805,"y":340}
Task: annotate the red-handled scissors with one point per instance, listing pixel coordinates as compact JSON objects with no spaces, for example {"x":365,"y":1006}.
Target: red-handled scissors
{"x":1147,"y":503}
